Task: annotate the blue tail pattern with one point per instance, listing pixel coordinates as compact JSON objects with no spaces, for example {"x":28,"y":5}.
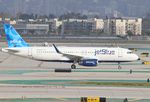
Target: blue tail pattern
{"x":13,"y":38}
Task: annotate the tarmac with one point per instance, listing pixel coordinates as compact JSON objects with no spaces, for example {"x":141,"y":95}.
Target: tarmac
{"x":22,"y":77}
{"x":14,"y":91}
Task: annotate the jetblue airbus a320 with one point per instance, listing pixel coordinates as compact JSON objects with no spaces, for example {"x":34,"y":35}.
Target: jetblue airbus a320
{"x":85,"y":56}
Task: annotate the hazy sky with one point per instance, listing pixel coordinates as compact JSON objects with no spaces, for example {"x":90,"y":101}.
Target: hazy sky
{"x":57,"y":7}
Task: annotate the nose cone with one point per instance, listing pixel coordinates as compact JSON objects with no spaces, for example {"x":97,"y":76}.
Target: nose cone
{"x":137,"y":57}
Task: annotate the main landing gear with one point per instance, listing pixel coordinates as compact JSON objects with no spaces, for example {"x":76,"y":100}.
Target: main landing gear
{"x":119,"y":66}
{"x":73,"y":66}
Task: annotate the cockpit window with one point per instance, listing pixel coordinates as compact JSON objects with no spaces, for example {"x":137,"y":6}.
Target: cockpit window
{"x":129,"y":52}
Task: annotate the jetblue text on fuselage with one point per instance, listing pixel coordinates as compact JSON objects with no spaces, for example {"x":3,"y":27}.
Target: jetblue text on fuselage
{"x":104,"y":52}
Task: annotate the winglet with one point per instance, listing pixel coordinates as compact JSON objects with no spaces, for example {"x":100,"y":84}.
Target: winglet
{"x":56,"y":49}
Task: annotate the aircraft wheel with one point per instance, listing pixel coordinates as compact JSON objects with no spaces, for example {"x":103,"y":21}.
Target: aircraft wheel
{"x":119,"y":67}
{"x":73,"y":66}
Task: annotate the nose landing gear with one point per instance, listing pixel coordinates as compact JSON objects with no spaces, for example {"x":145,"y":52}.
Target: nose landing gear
{"x":73,"y":66}
{"x":119,"y":66}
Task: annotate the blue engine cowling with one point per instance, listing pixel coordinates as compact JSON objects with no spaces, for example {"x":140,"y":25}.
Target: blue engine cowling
{"x":88,"y":62}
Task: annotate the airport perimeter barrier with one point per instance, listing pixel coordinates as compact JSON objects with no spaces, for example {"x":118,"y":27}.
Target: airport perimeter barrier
{"x":93,"y":99}
{"x":63,"y":70}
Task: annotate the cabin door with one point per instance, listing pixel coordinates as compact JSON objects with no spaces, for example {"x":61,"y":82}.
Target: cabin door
{"x":30,"y":52}
{"x":120,"y":52}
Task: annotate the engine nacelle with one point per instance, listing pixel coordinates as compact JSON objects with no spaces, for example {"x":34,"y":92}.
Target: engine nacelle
{"x":88,"y":62}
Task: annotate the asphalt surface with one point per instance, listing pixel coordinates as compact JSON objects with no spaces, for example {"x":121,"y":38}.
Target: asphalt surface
{"x":14,"y":69}
{"x":72,"y":92}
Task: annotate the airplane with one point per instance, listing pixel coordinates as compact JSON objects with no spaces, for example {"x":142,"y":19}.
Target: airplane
{"x":84,"y":56}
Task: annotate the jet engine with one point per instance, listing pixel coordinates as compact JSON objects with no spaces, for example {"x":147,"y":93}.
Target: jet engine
{"x":88,"y":62}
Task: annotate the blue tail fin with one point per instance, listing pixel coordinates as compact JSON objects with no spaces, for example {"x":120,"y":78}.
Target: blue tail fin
{"x":13,"y":38}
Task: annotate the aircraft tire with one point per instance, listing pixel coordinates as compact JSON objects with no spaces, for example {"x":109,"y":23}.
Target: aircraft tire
{"x":119,"y":67}
{"x":73,"y":66}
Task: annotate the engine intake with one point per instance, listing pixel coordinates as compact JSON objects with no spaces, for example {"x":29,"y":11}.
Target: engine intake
{"x":88,"y":62}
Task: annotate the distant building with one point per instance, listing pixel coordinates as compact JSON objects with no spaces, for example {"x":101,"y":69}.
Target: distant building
{"x":21,"y":21}
{"x":7,"y":19}
{"x":115,"y":27}
{"x":134,"y":25}
{"x":55,"y":24}
{"x":122,"y":26}
{"x":83,"y":24}
{"x":32,"y":29}
{"x":13,"y":22}
{"x":77,"y":25}
{"x":97,"y":24}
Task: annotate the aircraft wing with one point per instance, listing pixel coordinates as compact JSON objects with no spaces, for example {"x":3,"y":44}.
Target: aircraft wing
{"x":70,"y":56}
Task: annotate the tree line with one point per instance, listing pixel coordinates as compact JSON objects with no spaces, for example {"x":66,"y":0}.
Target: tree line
{"x":26,"y":16}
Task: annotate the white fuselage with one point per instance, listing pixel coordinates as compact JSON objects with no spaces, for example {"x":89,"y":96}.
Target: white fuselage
{"x":102,"y":54}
